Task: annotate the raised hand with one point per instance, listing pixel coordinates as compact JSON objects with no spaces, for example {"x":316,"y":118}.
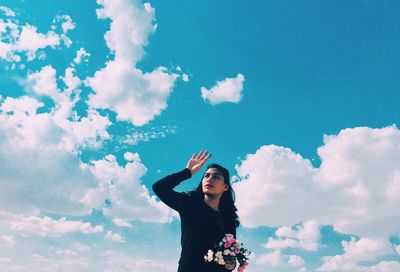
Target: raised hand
{"x":196,"y":162}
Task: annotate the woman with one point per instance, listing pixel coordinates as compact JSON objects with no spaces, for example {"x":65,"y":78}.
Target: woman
{"x":207,"y":213}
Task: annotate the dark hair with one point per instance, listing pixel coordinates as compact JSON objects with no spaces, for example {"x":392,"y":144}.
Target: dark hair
{"x":227,"y":201}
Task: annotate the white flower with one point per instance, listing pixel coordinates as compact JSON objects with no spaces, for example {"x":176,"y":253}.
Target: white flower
{"x":219,"y":254}
{"x":221,"y":261}
{"x":209,"y":256}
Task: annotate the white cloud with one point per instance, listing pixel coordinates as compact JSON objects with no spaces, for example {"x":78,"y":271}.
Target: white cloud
{"x":131,"y":24}
{"x":81,"y":54}
{"x":122,"y":223}
{"x":7,"y":11}
{"x":44,"y":82}
{"x":306,"y":237}
{"x":39,"y":167}
{"x":274,"y":258}
{"x":18,"y":40}
{"x":136,"y":96}
{"x":366,"y":158}
{"x":277,"y":259}
{"x":275,"y":179}
{"x":351,"y":190}
{"x":116,"y":237}
{"x":21,"y":106}
{"x":227,"y":90}
{"x":356,"y":253}
{"x":295,"y":260}
{"x":121,"y":186}
{"x":384,"y":266}
{"x":66,"y":23}
{"x":71,"y":81}
{"x":85,"y":131}
{"x":31,"y":41}
{"x":46,"y":226}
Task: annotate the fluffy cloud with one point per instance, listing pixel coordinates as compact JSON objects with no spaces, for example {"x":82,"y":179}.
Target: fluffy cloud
{"x":227,"y":90}
{"x":305,"y":237}
{"x":7,"y":11}
{"x":83,"y":131}
{"x":40,"y":151}
{"x":25,"y":39}
{"x":46,"y":226}
{"x":276,"y":179}
{"x":121,"y":187}
{"x":274,"y":258}
{"x":66,"y":23}
{"x":81,"y":54}
{"x":40,"y":169}
{"x":136,"y":96}
{"x":114,"y":237}
{"x":295,"y":260}
{"x":351,"y":190}
{"x":44,"y":83}
{"x":122,"y":223}
{"x":277,"y":259}
{"x":358,"y":252}
{"x":34,"y":172}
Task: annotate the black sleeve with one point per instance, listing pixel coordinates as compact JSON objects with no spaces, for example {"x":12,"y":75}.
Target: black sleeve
{"x":164,"y":190}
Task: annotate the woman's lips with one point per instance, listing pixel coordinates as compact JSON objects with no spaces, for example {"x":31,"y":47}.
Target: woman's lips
{"x":209,"y":186}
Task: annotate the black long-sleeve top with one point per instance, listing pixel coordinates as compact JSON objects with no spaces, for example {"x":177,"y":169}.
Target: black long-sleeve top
{"x":201,"y":227}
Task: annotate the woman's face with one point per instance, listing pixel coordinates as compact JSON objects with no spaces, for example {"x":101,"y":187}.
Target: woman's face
{"x":213,"y":182}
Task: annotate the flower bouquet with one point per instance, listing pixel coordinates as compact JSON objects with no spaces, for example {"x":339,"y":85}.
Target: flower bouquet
{"x":228,"y":251}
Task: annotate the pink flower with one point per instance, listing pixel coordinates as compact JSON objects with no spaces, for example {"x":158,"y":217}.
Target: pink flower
{"x":227,"y":244}
{"x":237,"y":250}
{"x":231,"y":239}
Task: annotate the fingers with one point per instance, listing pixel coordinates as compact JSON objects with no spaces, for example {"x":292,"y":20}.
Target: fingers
{"x":203,"y":156}
{"x":200,"y":154}
{"x":206,"y":158}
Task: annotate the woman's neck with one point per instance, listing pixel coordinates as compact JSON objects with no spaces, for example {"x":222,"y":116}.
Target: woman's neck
{"x":212,"y":201}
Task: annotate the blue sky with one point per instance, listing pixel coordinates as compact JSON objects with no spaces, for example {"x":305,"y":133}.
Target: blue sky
{"x":299,"y":100}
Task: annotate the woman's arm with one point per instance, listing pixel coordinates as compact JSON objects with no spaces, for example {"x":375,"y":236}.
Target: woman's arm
{"x":164,"y":187}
